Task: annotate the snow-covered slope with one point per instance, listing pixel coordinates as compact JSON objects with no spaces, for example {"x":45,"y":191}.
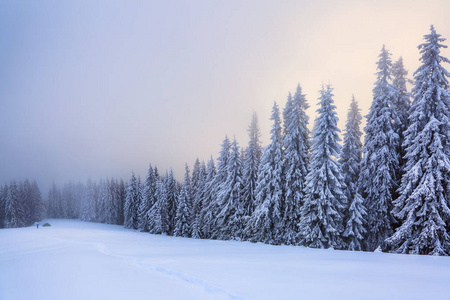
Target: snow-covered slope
{"x":78,"y":260}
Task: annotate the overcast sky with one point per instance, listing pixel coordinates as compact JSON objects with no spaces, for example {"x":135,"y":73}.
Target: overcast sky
{"x":96,"y":89}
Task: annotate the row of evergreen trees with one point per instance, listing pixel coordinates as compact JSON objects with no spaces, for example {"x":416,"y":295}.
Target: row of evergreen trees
{"x":20,"y":204}
{"x":391,"y":193}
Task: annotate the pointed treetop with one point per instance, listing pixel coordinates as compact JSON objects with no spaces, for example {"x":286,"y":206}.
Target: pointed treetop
{"x":399,"y":73}
{"x":187,"y":177}
{"x":288,"y":107}
{"x":276,"y":129}
{"x":431,"y":59}
{"x":299,"y":89}
{"x":384,"y":65}
{"x":253,"y":130}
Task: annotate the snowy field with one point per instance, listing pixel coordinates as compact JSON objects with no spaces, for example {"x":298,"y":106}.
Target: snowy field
{"x":78,"y":260}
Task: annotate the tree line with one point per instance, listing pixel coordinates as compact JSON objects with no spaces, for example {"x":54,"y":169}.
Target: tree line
{"x":21,"y":204}
{"x":391,"y":192}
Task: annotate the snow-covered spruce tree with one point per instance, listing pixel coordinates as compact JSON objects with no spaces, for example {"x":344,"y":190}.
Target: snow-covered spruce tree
{"x":31,"y":202}
{"x":102,"y":201}
{"x":321,"y":223}
{"x":24,"y":196}
{"x":110,"y":205}
{"x":296,"y":161}
{"x":148,"y":199}
{"x":171,"y":189}
{"x":156,"y":212}
{"x":423,"y":205}
{"x":113,"y":203}
{"x":138,"y":204}
{"x":207,"y":198}
{"x":36,"y":203}
{"x":183,"y":220}
{"x":355,"y":224}
{"x":132,"y":201}
{"x":195,"y":181}
{"x":213,"y":209}
{"x":230,"y":219}
{"x":251,"y":161}
{"x":166,"y":207}
{"x":88,"y":203}
{"x":265,"y":224}
{"x":183,"y":217}
{"x":401,"y":100}
{"x":13,"y":209}
{"x":352,"y":150}
{"x":198,"y":196}
{"x":380,"y":163}
{"x":120,"y":194}
{"x":355,"y":212}
{"x":195,"y":177}
{"x":402,"y":104}
{"x":166,"y":217}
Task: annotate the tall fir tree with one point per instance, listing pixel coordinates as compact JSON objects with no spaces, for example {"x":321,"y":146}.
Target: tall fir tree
{"x":183,"y":220}
{"x":170,"y":206}
{"x":251,"y":161}
{"x":110,"y":204}
{"x":113,"y":203}
{"x":423,"y":205}
{"x":37,"y":205}
{"x":321,"y":223}
{"x":120,"y":194}
{"x":380,"y":164}
{"x":204,"y":221}
{"x":102,"y":201}
{"x":132,"y":201}
{"x":213,"y":209}
{"x":402,"y":104}
{"x":402,"y":98}
{"x":148,"y":199}
{"x":165,"y":206}
{"x":88,"y":203}
{"x":25,"y":201}
{"x":355,"y":212}
{"x":296,"y":161}
{"x":352,"y":150}
{"x":195,"y":182}
{"x":157,"y":211}
{"x":14,"y":213}
{"x":198,"y":197}
{"x":265,"y":224}
{"x":230,"y":219}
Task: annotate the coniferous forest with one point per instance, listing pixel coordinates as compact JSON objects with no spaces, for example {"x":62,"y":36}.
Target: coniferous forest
{"x":390,"y":192}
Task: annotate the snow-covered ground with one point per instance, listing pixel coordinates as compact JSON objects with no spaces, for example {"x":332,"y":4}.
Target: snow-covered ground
{"x":78,"y":260}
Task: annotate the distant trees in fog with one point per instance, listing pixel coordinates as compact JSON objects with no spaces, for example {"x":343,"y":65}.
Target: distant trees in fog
{"x":20,"y":204}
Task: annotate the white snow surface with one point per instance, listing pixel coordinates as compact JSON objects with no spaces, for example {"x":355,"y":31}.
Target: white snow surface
{"x":80,"y":260}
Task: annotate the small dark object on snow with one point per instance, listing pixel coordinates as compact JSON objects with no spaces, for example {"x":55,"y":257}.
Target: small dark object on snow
{"x":46,"y":225}
{"x":37,"y":225}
